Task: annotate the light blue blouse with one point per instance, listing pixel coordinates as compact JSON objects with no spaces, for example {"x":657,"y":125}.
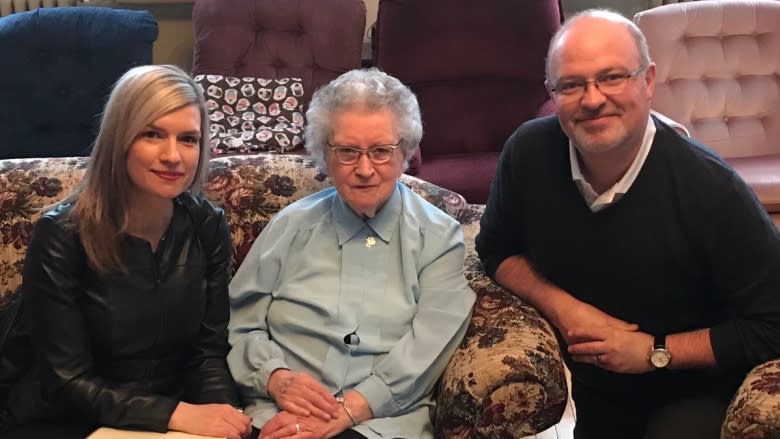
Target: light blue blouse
{"x":377,"y":306}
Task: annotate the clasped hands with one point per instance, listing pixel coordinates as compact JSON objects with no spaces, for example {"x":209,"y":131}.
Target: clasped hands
{"x":309,"y":411}
{"x":595,"y":337}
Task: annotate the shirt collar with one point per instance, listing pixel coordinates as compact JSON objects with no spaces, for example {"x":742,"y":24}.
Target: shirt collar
{"x":598,"y":202}
{"x":348,"y":223}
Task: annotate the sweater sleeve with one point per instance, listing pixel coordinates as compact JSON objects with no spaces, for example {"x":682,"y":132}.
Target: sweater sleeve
{"x":52,"y":289}
{"x":500,"y":228}
{"x":743,"y":251}
{"x":211,"y":381}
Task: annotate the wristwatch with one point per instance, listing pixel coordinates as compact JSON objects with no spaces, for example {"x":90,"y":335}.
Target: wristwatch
{"x":660,"y":357}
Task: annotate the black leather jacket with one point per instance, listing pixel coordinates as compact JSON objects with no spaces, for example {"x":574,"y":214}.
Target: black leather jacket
{"x":123,"y":349}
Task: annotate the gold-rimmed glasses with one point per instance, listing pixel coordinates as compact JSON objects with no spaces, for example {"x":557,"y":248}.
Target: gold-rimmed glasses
{"x":378,"y":155}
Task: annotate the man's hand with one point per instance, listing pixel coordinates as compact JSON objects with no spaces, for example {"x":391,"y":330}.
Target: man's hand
{"x":617,"y":350}
{"x":573,"y":314}
{"x":219,"y":420}
{"x":564,"y":311}
{"x":301,"y":395}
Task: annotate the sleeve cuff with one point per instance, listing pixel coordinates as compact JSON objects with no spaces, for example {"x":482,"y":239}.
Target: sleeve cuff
{"x":260,"y":378}
{"x":159,"y":415}
{"x":378,"y":396}
{"x":727,"y":347}
{"x":490,"y":267}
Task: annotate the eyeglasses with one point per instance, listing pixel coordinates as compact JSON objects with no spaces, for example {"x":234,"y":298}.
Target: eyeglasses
{"x":608,"y":84}
{"x":380,"y":154}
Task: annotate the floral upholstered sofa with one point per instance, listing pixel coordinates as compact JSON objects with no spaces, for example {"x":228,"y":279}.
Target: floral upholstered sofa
{"x":506,"y":379}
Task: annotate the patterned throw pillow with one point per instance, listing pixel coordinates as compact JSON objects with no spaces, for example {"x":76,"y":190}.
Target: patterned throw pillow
{"x":250,"y":115}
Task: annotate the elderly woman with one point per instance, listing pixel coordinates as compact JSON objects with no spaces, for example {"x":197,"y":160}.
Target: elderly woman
{"x":125,"y":281}
{"x":352,"y":300}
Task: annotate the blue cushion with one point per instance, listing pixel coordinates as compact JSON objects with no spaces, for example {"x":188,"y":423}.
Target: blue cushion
{"x":56,"y":70}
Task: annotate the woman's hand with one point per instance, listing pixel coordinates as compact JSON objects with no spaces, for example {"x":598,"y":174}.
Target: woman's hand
{"x":301,"y":395}
{"x":220,"y":420}
{"x":285,"y":425}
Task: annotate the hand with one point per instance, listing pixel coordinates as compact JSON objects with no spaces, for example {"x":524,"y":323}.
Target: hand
{"x":612,"y":349}
{"x":301,"y":395}
{"x":288,"y":426}
{"x":575,"y":313}
{"x":220,"y":420}
{"x":285,"y":425}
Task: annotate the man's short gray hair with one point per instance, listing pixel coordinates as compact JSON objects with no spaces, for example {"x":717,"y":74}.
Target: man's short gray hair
{"x":608,"y":15}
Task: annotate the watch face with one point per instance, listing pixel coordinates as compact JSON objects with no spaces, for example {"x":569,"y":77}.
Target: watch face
{"x":660,"y":358}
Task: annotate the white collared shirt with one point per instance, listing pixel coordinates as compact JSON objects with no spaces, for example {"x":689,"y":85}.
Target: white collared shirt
{"x":598,"y":202}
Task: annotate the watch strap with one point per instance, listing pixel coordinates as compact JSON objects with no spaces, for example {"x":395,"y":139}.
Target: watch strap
{"x":659,"y":341}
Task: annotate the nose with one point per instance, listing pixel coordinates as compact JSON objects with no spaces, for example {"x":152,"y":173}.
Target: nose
{"x":592,"y":97}
{"x":364,"y":167}
{"x":169,"y":151}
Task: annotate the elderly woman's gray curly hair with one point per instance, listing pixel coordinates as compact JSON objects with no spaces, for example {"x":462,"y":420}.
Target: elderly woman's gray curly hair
{"x":362,"y":89}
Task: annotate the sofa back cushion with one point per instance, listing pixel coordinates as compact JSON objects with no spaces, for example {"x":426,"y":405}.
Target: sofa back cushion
{"x":251,"y":189}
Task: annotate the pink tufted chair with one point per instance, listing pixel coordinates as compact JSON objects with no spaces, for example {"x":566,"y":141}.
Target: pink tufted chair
{"x":315,"y":40}
{"x":718,"y":64}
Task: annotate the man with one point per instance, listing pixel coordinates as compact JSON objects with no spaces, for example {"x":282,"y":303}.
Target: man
{"x":653,"y":260}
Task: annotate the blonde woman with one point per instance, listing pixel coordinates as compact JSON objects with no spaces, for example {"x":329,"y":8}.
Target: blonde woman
{"x":125,"y":281}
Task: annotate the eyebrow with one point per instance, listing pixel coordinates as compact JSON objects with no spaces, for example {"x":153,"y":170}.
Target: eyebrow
{"x":601,"y":72}
{"x":346,"y":145}
{"x":185,"y":133}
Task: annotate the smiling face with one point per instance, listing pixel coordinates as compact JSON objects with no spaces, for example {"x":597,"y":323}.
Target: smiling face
{"x":163,"y":158}
{"x":364,"y":186}
{"x":596,"y":122}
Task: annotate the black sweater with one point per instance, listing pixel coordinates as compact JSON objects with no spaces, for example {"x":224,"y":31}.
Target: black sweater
{"x":688,"y":247}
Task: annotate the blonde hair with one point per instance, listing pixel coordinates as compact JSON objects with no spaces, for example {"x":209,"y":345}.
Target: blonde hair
{"x":100,"y":209}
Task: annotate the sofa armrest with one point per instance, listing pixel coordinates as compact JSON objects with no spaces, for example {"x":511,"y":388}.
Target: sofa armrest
{"x":754,"y":411}
{"x":506,"y":379}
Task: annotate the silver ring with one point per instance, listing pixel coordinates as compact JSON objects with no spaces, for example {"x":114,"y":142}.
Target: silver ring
{"x":297,"y":428}
{"x":598,"y":358}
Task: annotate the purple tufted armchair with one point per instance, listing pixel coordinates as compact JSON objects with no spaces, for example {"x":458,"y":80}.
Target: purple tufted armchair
{"x":477,"y":69}
{"x":315,"y":40}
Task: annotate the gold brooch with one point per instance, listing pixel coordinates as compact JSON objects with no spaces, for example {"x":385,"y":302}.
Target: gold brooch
{"x":370,"y":241}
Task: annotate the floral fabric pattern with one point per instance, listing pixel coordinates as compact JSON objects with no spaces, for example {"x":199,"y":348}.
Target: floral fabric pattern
{"x":506,"y":378}
{"x":27,"y":186}
{"x":253,"y":114}
{"x":754,"y":413}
